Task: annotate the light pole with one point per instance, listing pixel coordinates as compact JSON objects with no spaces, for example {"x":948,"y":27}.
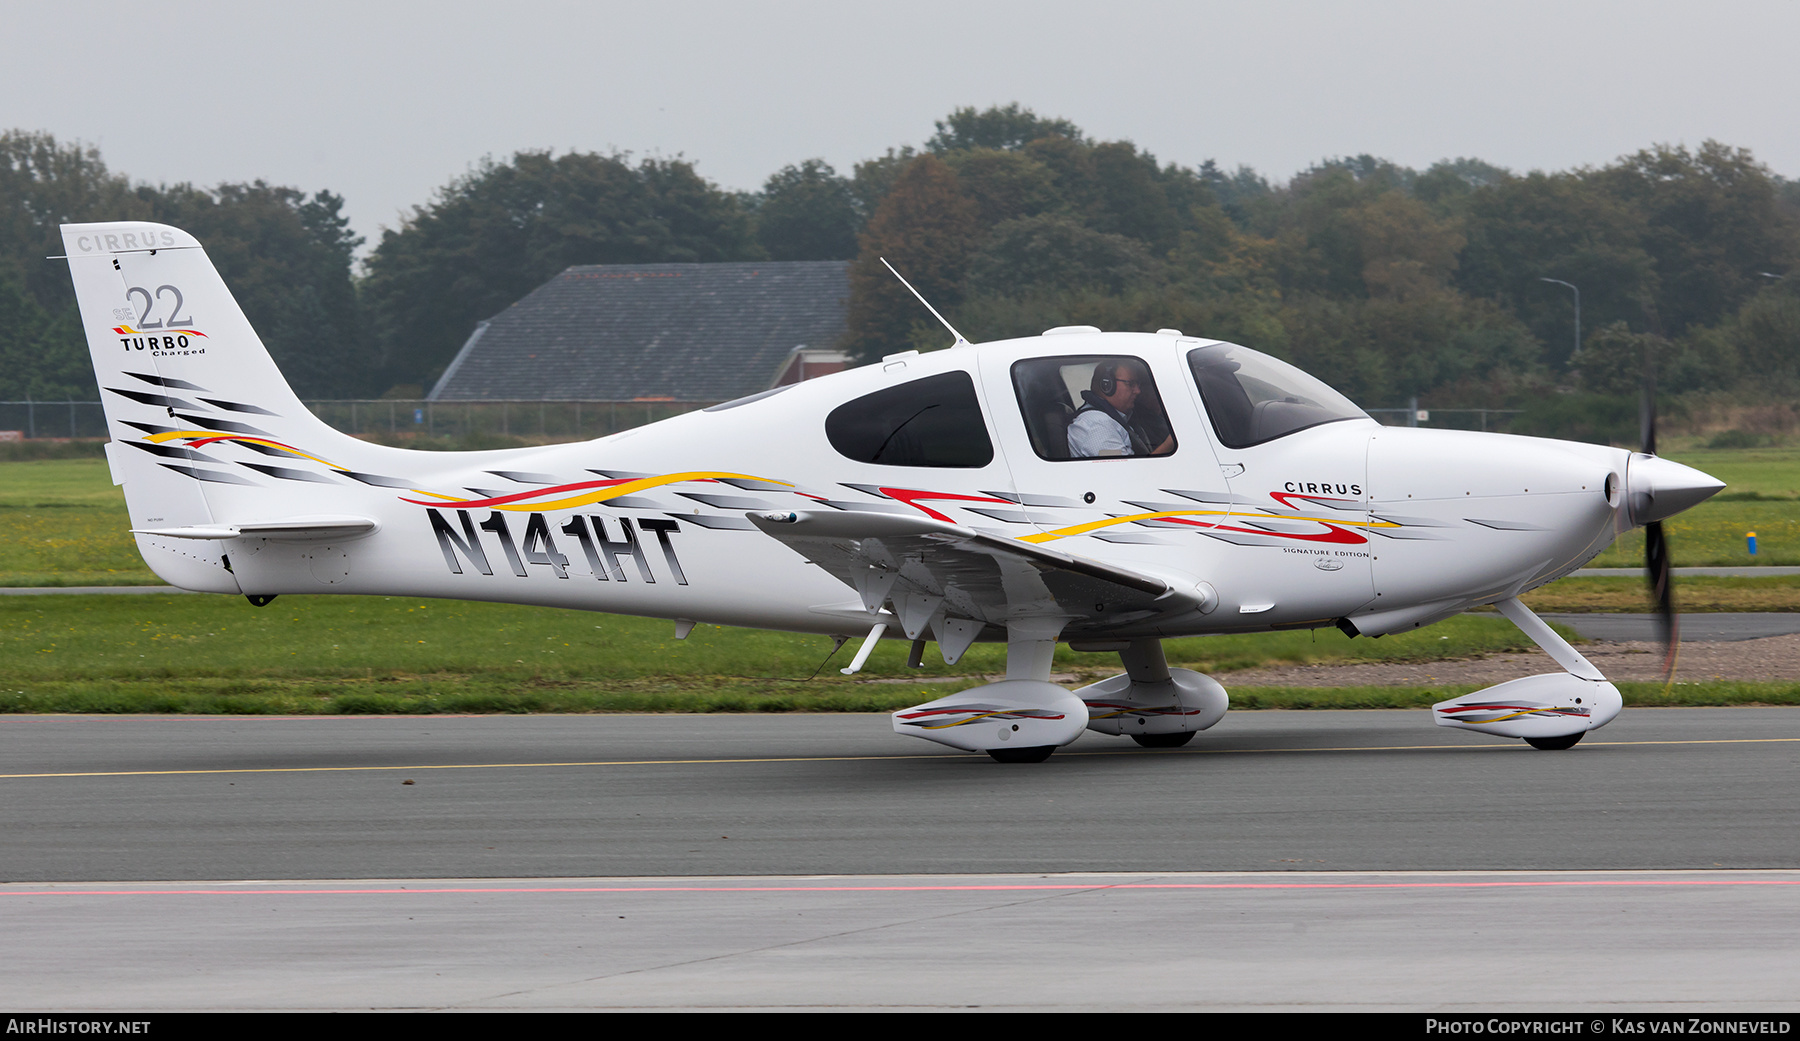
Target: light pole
{"x":1571,"y":285}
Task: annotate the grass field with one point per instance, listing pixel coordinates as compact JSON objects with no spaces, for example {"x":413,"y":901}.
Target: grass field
{"x":63,"y":523}
{"x":59,"y":482}
{"x":333,"y":655}
{"x":197,"y":653}
{"x":1767,"y":473}
{"x":1712,"y":534}
{"x":1693,"y":594}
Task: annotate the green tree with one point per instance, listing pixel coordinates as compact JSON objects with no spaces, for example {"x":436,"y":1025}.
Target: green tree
{"x":1076,"y":177}
{"x":1237,"y":193}
{"x":928,"y":229}
{"x":1617,"y":361}
{"x":1449,"y":182}
{"x":1350,"y":230}
{"x":1131,"y":200}
{"x":1381,"y":351}
{"x":1712,"y":219}
{"x":808,"y":212}
{"x":1764,"y":337}
{"x":872,"y":178}
{"x":1055,"y":254}
{"x":43,"y":357}
{"x":1005,"y":185}
{"x":1522,"y":230}
{"x":1000,"y":127}
{"x":1405,"y":251}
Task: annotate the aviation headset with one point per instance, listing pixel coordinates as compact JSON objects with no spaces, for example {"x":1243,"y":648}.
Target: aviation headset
{"x":1105,"y":385}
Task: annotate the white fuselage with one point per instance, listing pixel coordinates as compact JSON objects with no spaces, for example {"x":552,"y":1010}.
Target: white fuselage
{"x":1346,"y":519}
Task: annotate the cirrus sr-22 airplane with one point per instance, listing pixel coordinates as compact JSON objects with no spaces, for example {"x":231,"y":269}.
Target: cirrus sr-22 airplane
{"x":1108,"y":490}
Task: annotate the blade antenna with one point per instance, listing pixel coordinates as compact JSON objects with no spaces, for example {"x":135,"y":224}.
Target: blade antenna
{"x":961,"y":340}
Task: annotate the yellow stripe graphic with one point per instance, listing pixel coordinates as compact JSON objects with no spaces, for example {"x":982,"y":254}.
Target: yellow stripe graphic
{"x":1082,"y":529}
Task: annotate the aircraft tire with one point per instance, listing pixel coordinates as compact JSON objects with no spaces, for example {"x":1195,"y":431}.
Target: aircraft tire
{"x":1021,"y":755}
{"x":1555,"y":744}
{"x":1164,"y":740}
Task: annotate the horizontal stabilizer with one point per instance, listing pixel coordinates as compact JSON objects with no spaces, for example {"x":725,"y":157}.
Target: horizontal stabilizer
{"x":291,"y":529}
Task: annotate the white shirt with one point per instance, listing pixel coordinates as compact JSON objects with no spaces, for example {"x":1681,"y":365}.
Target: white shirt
{"x":1094,"y":433}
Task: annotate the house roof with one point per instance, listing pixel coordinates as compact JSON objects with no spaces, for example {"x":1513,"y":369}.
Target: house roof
{"x":625,"y":332}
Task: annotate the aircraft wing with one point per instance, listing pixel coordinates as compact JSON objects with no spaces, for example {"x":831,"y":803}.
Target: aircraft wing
{"x":957,"y":580}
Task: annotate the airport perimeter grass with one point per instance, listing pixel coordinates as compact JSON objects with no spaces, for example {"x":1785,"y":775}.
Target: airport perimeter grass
{"x":63,"y":523}
{"x":196,"y":653}
{"x":1694,"y":594}
{"x":332,"y":655}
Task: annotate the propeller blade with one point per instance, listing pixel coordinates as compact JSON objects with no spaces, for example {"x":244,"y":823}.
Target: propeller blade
{"x":1656,"y":545}
{"x":1662,"y":589}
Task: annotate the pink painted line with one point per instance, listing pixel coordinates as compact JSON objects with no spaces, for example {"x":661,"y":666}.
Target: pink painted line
{"x":973,"y":888}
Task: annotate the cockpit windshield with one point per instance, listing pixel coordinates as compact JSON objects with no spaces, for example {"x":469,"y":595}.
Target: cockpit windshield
{"x":1253,"y":398}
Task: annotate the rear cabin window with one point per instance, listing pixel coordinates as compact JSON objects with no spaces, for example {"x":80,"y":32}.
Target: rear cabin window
{"x":1092,"y":407}
{"x":935,"y":421}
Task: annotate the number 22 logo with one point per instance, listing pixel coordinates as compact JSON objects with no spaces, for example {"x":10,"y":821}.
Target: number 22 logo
{"x":174,"y":320}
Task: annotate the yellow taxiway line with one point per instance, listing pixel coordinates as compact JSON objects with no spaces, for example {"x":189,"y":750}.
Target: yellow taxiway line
{"x":857,"y":758}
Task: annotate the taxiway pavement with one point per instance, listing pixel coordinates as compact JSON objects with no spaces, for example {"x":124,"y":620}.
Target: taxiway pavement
{"x":1297,"y":860}
{"x":95,"y":798}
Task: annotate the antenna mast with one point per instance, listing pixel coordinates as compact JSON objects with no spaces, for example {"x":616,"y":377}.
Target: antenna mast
{"x":961,"y":340}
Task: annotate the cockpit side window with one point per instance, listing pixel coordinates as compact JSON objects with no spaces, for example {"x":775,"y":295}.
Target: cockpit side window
{"x":935,"y":421}
{"x":1252,"y":398}
{"x":1091,"y":407}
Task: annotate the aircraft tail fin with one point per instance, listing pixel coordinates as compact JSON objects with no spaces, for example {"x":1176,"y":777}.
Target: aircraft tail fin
{"x":205,"y":431}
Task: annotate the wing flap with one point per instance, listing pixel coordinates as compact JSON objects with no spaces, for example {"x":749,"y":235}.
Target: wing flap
{"x":967,"y":574}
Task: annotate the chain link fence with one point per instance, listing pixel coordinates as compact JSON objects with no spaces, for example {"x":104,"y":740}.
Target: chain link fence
{"x":534,"y":420}
{"x":388,"y":418}
{"x":51,"y":419}
{"x":391,"y":419}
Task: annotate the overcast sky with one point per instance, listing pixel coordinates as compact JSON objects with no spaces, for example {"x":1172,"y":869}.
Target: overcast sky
{"x":385,"y":102}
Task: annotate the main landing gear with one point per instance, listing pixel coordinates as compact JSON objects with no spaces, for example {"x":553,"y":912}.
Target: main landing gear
{"x":1025,"y":718}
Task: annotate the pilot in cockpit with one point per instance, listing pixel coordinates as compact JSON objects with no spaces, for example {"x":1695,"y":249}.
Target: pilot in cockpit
{"x":1119,"y":415}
